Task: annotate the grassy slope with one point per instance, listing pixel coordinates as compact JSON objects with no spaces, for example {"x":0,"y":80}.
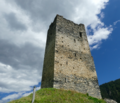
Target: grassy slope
{"x":51,"y":95}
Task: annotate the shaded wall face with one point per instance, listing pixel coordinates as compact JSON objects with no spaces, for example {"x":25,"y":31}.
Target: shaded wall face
{"x":73,"y":64}
{"x":48,"y":67}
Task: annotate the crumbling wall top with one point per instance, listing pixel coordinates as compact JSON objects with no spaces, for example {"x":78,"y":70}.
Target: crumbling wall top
{"x":59,"y":17}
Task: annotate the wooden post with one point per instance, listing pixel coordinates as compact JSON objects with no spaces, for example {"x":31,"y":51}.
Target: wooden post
{"x":33,"y":95}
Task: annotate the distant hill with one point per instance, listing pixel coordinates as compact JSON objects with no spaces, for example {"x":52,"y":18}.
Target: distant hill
{"x":51,"y":95}
{"x":111,"y":90}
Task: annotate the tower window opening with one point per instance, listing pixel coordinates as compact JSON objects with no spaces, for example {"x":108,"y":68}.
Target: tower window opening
{"x":66,"y":63}
{"x":80,"y":33}
{"x":75,"y":54}
{"x":65,"y":80}
{"x":74,"y":40}
{"x":56,"y":51}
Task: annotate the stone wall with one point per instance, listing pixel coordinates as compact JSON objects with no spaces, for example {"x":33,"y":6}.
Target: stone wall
{"x":69,"y":54}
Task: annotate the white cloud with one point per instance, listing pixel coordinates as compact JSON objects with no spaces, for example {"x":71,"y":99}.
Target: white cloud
{"x":95,"y":47}
{"x":32,"y":16}
{"x":16,"y":36}
{"x":17,"y":80}
{"x":116,"y":22}
{"x":102,"y":15}
{"x":26,"y":94}
{"x":16,"y":96}
{"x":99,"y":35}
{"x":13,"y":96}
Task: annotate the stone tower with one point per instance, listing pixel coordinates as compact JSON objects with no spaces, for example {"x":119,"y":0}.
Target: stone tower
{"x":68,"y":63}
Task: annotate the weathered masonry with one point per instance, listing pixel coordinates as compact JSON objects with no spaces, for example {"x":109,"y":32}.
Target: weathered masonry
{"x":68,"y":63}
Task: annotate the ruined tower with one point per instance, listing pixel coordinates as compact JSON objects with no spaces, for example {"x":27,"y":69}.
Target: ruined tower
{"x":68,"y":63}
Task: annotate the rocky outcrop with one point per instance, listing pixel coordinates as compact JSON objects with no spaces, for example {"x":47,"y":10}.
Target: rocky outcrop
{"x":110,"y":100}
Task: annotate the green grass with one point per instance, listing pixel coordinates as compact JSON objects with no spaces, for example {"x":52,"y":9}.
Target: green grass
{"x":52,"y":95}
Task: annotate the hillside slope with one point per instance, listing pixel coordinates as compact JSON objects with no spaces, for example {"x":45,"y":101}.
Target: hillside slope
{"x":111,"y":90}
{"x":51,"y":95}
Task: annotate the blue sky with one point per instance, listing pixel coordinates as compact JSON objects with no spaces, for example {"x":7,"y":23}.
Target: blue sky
{"x":107,"y":57}
{"x":23,"y":30}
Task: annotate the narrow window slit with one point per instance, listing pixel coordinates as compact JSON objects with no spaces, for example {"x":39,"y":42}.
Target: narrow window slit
{"x":75,"y":54}
{"x":74,"y":40}
{"x":80,"y":33}
{"x":66,"y":63}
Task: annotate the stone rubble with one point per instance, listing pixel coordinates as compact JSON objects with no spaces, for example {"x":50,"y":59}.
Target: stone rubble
{"x":110,"y":100}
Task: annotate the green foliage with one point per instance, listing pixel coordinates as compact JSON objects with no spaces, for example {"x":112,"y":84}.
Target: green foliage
{"x":95,"y":100}
{"x":111,"y":90}
{"x":51,"y":95}
{"x":87,"y":94}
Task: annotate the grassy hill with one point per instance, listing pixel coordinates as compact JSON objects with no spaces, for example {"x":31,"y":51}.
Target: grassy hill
{"x":51,"y":95}
{"x":111,"y":90}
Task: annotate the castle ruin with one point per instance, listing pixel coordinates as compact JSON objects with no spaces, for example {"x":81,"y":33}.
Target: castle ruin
{"x":68,"y":63}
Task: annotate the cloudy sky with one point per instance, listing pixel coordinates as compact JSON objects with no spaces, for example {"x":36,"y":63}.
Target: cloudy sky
{"x":23,"y":30}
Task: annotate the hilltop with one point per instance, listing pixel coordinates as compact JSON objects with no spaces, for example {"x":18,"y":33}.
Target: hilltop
{"x":52,"y":95}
